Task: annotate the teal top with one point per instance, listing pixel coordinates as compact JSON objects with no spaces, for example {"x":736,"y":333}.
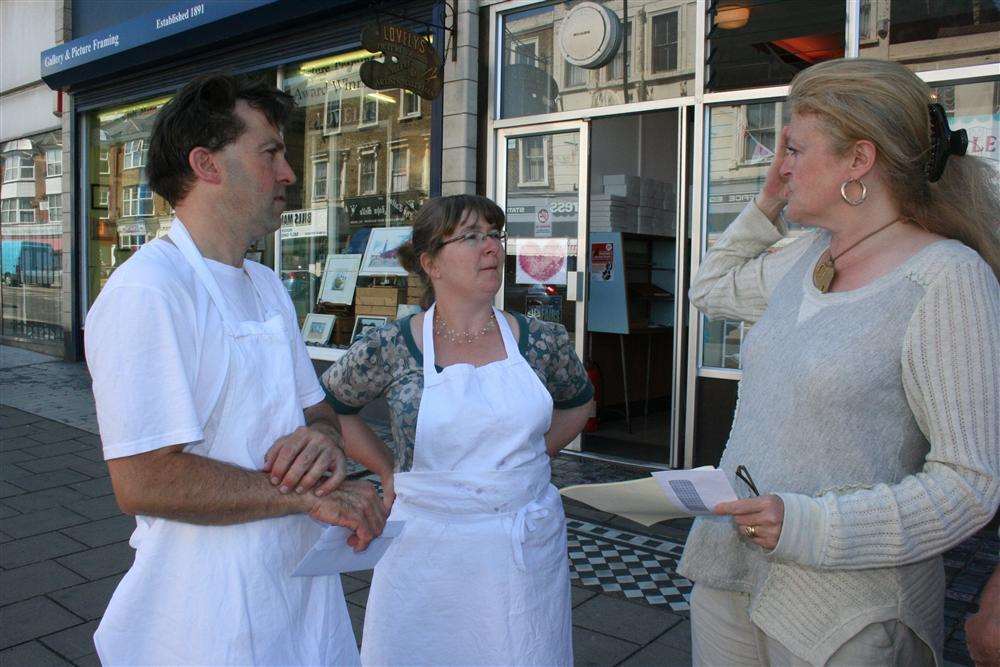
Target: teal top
{"x":387,"y":362}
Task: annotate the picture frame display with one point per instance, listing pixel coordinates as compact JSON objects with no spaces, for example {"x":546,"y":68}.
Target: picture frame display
{"x":382,"y":252}
{"x":340,"y":278}
{"x":365,"y":323}
{"x":317,"y":328}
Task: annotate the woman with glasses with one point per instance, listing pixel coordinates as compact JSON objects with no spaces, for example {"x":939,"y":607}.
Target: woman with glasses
{"x":868,"y":410}
{"x":479,"y":401}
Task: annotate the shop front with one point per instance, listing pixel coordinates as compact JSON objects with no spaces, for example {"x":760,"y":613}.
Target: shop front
{"x":366,"y":155}
{"x":623,"y":137}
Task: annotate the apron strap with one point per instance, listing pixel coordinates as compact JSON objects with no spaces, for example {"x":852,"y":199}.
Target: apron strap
{"x":430,"y":372}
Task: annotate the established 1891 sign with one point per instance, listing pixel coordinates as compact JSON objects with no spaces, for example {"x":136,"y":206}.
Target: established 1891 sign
{"x":411,"y":62}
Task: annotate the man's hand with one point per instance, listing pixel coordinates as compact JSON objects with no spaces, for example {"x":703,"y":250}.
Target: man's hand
{"x":354,"y":505}
{"x":765,"y":515}
{"x":982,"y":631}
{"x":298,"y":461}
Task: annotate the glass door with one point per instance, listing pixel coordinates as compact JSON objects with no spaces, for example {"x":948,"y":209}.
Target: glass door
{"x":542,"y":187}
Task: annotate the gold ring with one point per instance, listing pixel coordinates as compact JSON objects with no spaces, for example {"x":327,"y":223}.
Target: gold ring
{"x":751,"y":531}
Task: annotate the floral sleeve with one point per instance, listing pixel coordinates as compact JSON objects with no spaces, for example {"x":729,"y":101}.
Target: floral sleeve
{"x":551,"y":353}
{"x":360,"y":376}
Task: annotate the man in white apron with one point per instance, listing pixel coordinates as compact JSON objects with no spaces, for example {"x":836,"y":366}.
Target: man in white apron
{"x":204,"y":392}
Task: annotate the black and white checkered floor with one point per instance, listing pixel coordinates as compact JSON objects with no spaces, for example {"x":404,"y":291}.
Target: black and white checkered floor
{"x":637,"y":566}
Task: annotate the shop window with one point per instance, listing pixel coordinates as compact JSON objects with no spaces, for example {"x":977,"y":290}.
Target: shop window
{"x":533,"y":162}
{"x":409,"y":105}
{"x":652,"y":61}
{"x":757,"y":135}
{"x":55,"y":207}
{"x":664,"y":46}
{"x":18,"y":166}
{"x":381,"y":147}
{"x":369,"y":110}
{"x":755,"y":43}
{"x":135,"y":154}
{"x":368,"y":171}
{"x":53,"y":161}
{"x":399,"y":160}
{"x":320,"y":179}
{"x":137,"y":200}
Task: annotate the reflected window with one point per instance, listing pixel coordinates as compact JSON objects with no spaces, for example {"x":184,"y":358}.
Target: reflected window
{"x":664,"y":46}
{"x":533,"y":164}
{"x":104,"y":168}
{"x":55,"y":207}
{"x":368,"y":172}
{"x":574,"y":76}
{"x":410,"y":104}
{"x":757,"y":133}
{"x":331,"y":112}
{"x":616,"y":69}
{"x":53,"y":162}
{"x":525,"y":53}
{"x":137,"y":200}
{"x":18,"y":166}
{"x":135,"y":154}
{"x":18,"y":209}
{"x":369,"y":110}
{"x":320,"y":175}
{"x":399,"y":160}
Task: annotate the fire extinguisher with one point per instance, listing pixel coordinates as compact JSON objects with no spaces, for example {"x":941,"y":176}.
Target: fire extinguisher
{"x":594,"y":375}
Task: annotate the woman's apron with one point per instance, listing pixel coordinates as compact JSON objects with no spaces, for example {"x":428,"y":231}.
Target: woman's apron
{"x":480,"y":574}
{"x":223,"y":595}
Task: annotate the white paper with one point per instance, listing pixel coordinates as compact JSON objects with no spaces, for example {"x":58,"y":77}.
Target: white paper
{"x":541,"y":261}
{"x":332,"y":555}
{"x":696,"y":491}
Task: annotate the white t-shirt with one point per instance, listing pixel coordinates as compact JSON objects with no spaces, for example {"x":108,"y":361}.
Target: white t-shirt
{"x":154,"y":342}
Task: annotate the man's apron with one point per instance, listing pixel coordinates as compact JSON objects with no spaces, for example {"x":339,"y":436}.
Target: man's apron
{"x":223,"y":595}
{"x":480,"y":575}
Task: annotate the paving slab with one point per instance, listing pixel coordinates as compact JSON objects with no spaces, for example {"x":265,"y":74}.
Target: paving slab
{"x":47,"y":480}
{"x":87,"y":600}
{"x":638,"y":623}
{"x":73,"y":643}
{"x":89,"y":468}
{"x":36,"y":579}
{"x":7,"y":510}
{"x":45,"y":499}
{"x":678,"y":636}
{"x":97,"y":508}
{"x":357,"y":615}
{"x":95,"y":487}
{"x":12,"y":357}
{"x":594,"y":648}
{"x":88,"y":661}
{"x":658,"y":655}
{"x":11,"y":442}
{"x":105,"y":531}
{"x":7,"y":490}
{"x":360,"y":597}
{"x":16,"y":456}
{"x":31,"y":653}
{"x":580,"y":595}
{"x":11,"y":471}
{"x":36,"y":549}
{"x":350,"y":584}
{"x":101,"y":562}
{"x":22,"y":621}
{"x":44,"y":521}
{"x":71,"y":446}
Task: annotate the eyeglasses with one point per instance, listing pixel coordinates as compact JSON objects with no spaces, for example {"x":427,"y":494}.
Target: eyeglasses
{"x":744,"y":474}
{"x":476,"y":239}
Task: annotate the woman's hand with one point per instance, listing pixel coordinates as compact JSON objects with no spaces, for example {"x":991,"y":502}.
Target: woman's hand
{"x":299,"y":460}
{"x":773,"y":196}
{"x":764,"y":516}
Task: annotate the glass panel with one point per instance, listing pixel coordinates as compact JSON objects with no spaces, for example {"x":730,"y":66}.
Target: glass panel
{"x":367,"y":159}
{"x":124,"y":213}
{"x":654,"y":59}
{"x":31,"y":233}
{"x":931,"y":34}
{"x":975,"y":107}
{"x":765,"y":42}
{"x":542,"y":209}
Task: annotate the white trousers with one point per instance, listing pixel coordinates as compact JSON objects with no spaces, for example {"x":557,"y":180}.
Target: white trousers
{"x":722,"y":634}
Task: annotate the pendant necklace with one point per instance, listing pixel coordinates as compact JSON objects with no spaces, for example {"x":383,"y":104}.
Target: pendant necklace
{"x":826,"y":270}
{"x":442,"y":329}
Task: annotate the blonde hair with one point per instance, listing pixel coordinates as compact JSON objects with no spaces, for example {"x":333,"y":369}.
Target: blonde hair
{"x":885,"y":103}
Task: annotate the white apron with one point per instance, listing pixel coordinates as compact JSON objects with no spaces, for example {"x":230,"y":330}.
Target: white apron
{"x":222,"y":595}
{"x":480,"y":574}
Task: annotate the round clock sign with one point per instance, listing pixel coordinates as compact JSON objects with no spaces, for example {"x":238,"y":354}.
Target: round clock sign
{"x":590,"y":35}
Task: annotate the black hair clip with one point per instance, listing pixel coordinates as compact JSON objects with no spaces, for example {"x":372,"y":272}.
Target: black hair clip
{"x":944,"y":142}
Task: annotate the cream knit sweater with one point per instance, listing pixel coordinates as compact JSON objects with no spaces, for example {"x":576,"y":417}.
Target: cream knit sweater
{"x":874,"y":414}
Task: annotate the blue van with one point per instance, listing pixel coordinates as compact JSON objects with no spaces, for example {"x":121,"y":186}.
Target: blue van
{"x":29,"y":263}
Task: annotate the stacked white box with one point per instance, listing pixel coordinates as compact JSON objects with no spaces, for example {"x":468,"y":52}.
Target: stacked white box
{"x":612,"y":213}
{"x":623,"y":185}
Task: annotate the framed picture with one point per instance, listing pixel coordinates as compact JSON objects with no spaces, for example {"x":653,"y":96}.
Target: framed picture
{"x":382,"y":252}
{"x":407,"y":309}
{"x":317,"y":328}
{"x":340,"y":278}
{"x":365,"y":323}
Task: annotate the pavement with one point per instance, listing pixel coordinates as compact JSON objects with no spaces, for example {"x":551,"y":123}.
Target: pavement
{"x":64,"y":542}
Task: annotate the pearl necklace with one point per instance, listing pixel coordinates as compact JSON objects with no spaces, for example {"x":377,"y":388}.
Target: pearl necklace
{"x":442,"y":329}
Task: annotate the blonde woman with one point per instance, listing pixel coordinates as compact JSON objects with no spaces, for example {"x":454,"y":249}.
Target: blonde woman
{"x":868,"y":412}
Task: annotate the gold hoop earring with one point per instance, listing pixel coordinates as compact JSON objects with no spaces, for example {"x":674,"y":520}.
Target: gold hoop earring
{"x":864,"y":192}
